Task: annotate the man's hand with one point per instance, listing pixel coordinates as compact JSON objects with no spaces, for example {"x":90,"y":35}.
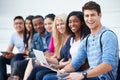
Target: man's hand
{"x":75,"y":76}
{"x":63,"y":75}
{"x":61,"y":71}
{"x":8,"y":55}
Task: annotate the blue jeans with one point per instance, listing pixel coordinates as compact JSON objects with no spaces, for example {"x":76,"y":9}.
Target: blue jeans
{"x":51,"y":76}
{"x":38,"y":72}
{"x":54,"y":77}
{"x":17,"y":57}
{"x":21,"y":66}
{"x":3,"y":63}
{"x":42,"y":73}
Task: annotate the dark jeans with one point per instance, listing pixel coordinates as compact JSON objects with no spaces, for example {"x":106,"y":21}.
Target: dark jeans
{"x":38,"y":72}
{"x":17,"y":58}
{"x":19,"y":65}
{"x":41,"y":74}
{"x":3,"y":63}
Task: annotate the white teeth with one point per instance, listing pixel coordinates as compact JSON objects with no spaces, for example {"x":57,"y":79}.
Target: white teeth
{"x":73,"y":28}
{"x":90,"y":22}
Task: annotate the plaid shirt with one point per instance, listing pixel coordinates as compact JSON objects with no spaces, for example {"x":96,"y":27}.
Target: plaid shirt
{"x":95,"y":56}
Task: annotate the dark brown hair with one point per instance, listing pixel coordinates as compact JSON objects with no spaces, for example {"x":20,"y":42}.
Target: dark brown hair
{"x":91,"y":5}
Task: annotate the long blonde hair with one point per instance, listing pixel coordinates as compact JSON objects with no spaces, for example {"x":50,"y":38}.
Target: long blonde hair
{"x":58,"y":38}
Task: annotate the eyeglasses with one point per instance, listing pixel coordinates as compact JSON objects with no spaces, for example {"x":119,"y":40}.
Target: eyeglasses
{"x":20,"y":23}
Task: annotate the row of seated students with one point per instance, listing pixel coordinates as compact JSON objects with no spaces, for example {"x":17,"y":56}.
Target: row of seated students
{"x":42,"y":34}
{"x":66,"y":38}
{"x":61,"y":38}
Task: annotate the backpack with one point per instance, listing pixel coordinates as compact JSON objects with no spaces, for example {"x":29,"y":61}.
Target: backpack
{"x":118,"y":71}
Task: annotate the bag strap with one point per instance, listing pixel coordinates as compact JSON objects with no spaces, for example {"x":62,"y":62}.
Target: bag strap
{"x":101,"y":38}
{"x":87,"y":40}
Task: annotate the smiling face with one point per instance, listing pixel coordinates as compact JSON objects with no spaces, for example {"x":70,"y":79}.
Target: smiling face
{"x":28,"y":25}
{"x":61,"y":26}
{"x":48,"y":23}
{"x":92,"y":18}
{"x":19,"y":25}
{"x":74,"y":24}
{"x":38,"y":24}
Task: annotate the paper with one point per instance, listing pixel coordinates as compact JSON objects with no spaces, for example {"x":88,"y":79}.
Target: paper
{"x":41,"y":58}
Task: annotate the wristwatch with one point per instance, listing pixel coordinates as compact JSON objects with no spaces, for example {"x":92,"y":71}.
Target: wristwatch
{"x":84,"y":74}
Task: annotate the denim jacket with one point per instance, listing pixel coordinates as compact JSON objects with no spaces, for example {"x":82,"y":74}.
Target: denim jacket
{"x":37,"y":42}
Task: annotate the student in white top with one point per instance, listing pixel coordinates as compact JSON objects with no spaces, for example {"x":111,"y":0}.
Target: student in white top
{"x":79,"y":30}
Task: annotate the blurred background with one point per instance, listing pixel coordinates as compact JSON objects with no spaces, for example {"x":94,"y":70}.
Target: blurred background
{"x":11,"y":8}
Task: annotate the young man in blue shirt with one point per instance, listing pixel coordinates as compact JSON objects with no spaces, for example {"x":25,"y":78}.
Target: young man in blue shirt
{"x":103,"y":64}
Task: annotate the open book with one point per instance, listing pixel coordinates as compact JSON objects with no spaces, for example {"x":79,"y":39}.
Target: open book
{"x":41,"y":58}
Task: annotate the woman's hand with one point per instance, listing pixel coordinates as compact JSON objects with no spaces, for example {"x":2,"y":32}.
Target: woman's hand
{"x":55,"y":66}
{"x":47,"y":54}
{"x":37,"y":62}
{"x":52,"y":60}
{"x":61,"y":62}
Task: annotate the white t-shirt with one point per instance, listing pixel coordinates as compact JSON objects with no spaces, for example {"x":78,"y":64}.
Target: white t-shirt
{"x":17,"y":41}
{"x":74,"y":47}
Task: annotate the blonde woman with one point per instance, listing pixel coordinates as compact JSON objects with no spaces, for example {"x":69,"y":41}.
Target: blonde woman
{"x":60,"y":34}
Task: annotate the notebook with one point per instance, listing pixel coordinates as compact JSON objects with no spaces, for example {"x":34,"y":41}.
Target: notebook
{"x":41,"y":58}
